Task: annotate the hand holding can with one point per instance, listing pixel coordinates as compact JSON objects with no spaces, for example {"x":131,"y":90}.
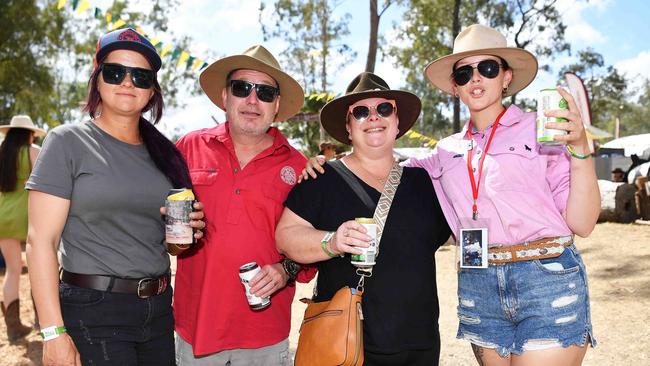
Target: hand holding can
{"x":549,"y":99}
{"x":246,"y":274}
{"x":368,"y":254}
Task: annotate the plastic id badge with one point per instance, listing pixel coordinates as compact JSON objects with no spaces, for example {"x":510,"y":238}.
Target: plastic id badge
{"x":473,"y":247}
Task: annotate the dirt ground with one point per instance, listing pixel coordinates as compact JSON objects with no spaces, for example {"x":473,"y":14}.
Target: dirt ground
{"x":617,"y":257}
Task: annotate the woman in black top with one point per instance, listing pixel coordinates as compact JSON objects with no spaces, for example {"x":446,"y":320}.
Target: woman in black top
{"x":400,"y":303}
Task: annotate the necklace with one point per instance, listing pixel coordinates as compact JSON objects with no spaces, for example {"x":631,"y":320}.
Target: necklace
{"x":380,"y":180}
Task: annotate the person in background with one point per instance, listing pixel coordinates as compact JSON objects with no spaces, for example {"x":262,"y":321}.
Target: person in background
{"x":242,"y":170}
{"x":618,"y":175}
{"x":17,"y":157}
{"x":400,"y":300}
{"x":327,"y":149}
{"x":97,"y":189}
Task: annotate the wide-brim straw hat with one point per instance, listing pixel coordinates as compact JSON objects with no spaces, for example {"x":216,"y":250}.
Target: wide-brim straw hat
{"x":368,"y":85}
{"x":478,"y":39}
{"x":258,"y":58}
{"x":24,"y":122}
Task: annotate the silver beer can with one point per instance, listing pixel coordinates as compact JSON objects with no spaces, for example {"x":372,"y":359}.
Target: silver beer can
{"x":368,"y":256}
{"x":246,"y":273}
{"x":549,"y":99}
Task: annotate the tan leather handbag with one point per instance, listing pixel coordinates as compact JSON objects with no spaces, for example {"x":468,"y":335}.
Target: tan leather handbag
{"x":332,"y":331}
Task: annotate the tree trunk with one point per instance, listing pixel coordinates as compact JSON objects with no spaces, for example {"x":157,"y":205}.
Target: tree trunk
{"x":325,"y":51}
{"x":455,"y":30}
{"x":372,"y":42}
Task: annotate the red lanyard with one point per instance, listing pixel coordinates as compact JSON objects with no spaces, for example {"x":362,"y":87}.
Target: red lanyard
{"x":475,"y":185}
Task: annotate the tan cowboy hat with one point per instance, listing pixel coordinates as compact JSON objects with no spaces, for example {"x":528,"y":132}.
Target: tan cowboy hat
{"x":258,"y":58}
{"x":368,"y":85}
{"x":23,"y":122}
{"x":478,"y":39}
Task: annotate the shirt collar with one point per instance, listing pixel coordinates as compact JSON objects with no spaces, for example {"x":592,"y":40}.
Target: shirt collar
{"x":512,"y":116}
{"x":222,"y":134}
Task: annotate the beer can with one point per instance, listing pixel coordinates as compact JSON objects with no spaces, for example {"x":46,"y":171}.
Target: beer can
{"x":246,"y":273}
{"x":178,"y":231}
{"x":549,"y":99}
{"x":368,"y":255}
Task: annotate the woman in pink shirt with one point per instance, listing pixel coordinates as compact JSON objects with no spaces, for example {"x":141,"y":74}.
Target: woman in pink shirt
{"x":523,"y":301}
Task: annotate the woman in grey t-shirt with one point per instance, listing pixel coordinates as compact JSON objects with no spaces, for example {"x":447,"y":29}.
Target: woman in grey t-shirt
{"x":96,"y":190}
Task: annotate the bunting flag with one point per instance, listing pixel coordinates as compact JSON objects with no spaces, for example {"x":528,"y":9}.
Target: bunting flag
{"x":85,"y":5}
{"x":182,"y":58}
{"x":428,"y":141}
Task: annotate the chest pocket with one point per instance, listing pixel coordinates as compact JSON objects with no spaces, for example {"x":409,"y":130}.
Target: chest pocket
{"x":513,"y":167}
{"x":452,"y":173}
{"x":266,"y":207}
{"x":204,"y":177}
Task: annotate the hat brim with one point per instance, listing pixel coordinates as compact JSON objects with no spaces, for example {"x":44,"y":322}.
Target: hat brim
{"x":213,"y":81}
{"x":333,"y":115}
{"x":37,"y":131}
{"x":522,"y":63}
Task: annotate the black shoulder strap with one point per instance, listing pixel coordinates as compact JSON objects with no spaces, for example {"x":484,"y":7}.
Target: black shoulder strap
{"x":352,"y":181}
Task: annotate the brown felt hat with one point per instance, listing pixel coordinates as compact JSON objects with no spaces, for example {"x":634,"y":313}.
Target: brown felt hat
{"x":258,"y":58}
{"x":478,"y":39}
{"x":368,"y":85}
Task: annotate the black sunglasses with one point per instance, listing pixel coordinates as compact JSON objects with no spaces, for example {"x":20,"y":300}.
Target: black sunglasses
{"x":115,"y":74}
{"x":362,"y":112}
{"x":243,"y":88}
{"x":487,"y":68}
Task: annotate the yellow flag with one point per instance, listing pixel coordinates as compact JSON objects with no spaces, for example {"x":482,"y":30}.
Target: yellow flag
{"x":85,"y":4}
{"x":61,"y":4}
{"x":109,"y":17}
{"x":118,"y":24}
{"x":166,"y":50}
{"x":182,"y":59}
{"x":196,"y":64}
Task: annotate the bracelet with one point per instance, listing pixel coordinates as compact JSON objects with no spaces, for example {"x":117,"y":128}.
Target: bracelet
{"x":323,"y":244}
{"x":574,"y":154}
{"x":52,"y":332}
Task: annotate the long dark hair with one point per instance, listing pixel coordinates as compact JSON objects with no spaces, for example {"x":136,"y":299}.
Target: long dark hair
{"x":162,"y":151}
{"x":15,"y":139}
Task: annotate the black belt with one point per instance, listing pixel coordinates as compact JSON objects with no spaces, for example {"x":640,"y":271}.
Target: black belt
{"x":144,"y":287}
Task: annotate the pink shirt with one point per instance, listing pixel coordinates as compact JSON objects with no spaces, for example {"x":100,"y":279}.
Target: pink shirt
{"x":524,"y":187}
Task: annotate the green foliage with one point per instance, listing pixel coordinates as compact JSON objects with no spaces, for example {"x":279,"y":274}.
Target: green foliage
{"x":48,"y":79}
{"x":304,"y":128}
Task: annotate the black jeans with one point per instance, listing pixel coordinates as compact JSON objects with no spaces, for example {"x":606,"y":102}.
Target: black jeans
{"x":119,"y":329}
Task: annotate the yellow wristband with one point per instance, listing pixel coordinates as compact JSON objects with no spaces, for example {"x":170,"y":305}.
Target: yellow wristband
{"x":574,"y":154}
{"x":323,"y":244}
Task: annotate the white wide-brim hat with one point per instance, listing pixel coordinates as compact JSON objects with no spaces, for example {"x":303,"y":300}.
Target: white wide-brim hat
{"x":23,"y":122}
{"x":478,"y":39}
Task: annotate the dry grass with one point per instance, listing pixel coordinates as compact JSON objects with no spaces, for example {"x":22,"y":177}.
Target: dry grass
{"x":618,"y":261}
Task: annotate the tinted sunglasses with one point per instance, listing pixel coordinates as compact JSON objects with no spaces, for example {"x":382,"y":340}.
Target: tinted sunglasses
{"x":487,"y":68}
{"x":115,"y":74}
{"x":362,"y":112}
{"x":265,"y":93}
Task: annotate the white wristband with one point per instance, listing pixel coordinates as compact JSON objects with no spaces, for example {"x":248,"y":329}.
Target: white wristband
{"x":52,"y":332}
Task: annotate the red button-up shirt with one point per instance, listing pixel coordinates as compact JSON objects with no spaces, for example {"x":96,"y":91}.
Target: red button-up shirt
{"x":242,"y":208}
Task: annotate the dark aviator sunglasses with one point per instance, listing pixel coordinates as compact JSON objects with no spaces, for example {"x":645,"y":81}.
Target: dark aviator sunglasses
{"x":243,"y":88}
{"x":115,"y":74}
{"x":362,"y":112}
{"x":487,"y":68}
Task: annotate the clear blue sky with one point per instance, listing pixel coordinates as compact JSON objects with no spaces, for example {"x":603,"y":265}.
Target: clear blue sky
{"x":619,"y":30}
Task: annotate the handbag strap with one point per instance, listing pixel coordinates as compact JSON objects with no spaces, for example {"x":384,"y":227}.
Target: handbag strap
{"x":353,"y":182}
{"x":380,"y":216}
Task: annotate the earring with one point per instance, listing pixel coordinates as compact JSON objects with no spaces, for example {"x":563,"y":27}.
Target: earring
{"x":504,"y":91}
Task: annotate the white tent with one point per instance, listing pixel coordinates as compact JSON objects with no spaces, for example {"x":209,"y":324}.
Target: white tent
{"x":635,"y":144}
{"x":638,"y":171}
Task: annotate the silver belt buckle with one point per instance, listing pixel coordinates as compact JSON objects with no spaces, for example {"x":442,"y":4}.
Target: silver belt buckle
{"x":140,"y":284}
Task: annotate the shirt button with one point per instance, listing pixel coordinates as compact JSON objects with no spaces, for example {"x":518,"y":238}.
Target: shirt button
{"x":474,"y":170}
{"x":235,"y":170}
{"x":511,"y":148}
{"x":237,"y":191}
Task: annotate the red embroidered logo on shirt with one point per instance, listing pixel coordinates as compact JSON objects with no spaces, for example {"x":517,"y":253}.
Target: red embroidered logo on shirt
{"x":288,"y":175}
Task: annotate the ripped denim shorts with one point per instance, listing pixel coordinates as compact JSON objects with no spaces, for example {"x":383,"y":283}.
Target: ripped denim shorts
{"x":525,"y":306}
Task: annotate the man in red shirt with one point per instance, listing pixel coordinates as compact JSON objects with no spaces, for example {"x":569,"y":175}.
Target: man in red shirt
{"x":242,"y":171}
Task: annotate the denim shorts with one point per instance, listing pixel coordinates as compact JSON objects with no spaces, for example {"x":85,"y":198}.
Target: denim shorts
{"x":526,"y":306}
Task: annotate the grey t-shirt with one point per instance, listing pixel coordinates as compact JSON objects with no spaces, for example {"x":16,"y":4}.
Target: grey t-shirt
{"x":114,"y":225}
